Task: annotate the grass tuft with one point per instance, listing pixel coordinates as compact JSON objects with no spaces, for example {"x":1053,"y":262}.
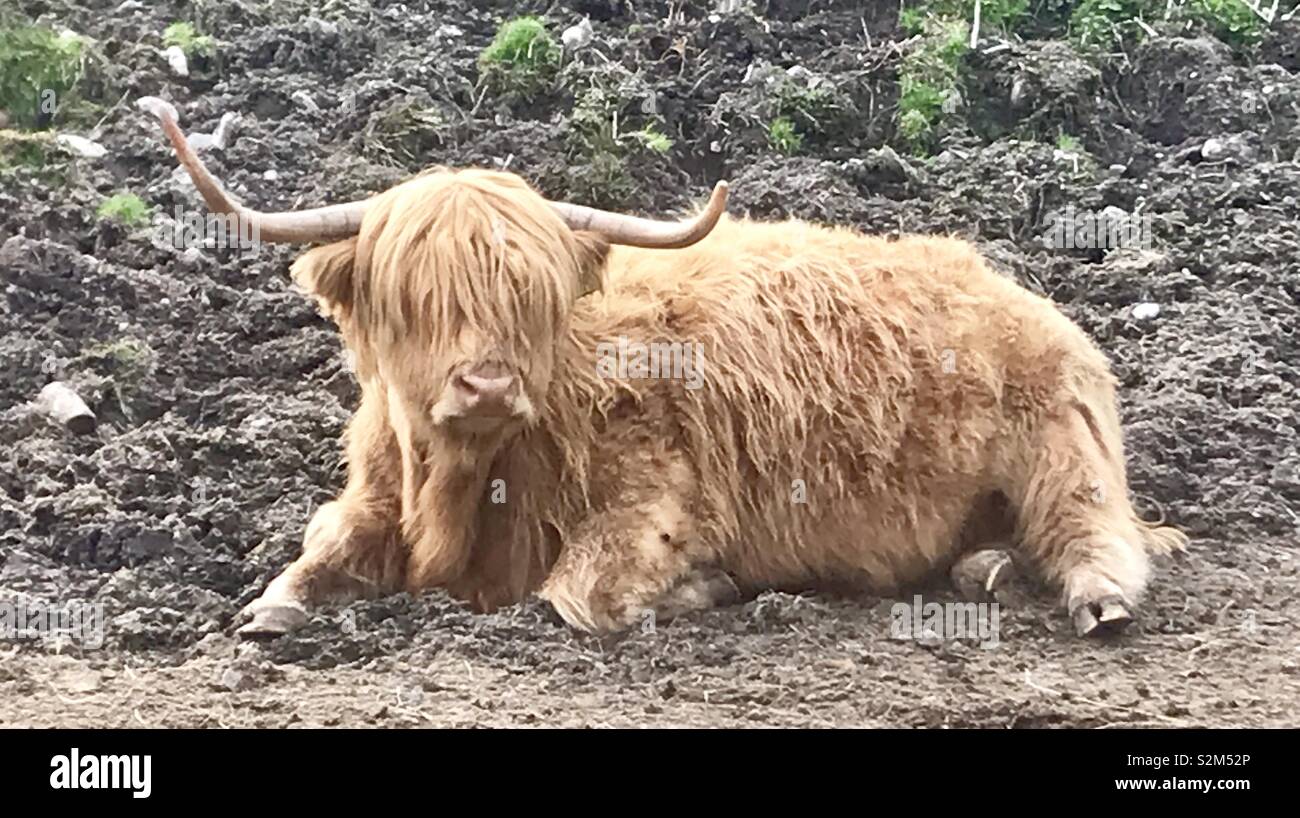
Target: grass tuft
{"x":188,"y":40}
{"x":523,"y":57}
{"x":783,"y":136}
{"x":125,"y":208}
{"x":39,"y":68}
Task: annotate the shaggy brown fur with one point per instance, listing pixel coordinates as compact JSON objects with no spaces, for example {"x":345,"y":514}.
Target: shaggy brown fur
{"x":863,"y":403}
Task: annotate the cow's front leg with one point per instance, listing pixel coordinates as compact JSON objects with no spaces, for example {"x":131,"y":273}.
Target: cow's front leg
{"x":625,"y":566}
{"x":353,"y":546}
{"x":348,"y":552}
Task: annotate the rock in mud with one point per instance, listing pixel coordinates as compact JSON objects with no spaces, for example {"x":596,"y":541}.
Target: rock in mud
{"x":61,"y":403}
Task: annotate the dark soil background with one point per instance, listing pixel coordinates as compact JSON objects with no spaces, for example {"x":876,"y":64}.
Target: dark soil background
{"x":221,"y":393}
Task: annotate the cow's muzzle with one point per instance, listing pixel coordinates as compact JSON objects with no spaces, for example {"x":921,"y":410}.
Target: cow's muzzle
{"x":483,"y":394}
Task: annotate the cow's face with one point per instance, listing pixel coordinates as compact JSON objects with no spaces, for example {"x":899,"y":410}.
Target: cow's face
{"x":455,"y":296}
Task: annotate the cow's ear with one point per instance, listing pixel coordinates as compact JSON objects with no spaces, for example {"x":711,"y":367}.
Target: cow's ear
{"x":593,"y":249}
{"x":326,"y":272}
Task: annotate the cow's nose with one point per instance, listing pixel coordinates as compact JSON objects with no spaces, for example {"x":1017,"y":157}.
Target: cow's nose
{"x":486,"y":389}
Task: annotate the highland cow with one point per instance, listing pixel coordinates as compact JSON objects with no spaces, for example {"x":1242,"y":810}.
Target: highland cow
{"x":866,"y":411}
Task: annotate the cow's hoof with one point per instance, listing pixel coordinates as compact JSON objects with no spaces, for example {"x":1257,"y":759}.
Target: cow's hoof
{"x":1108,"y":615}
{"x":978,"y":576}
{"x":718,"y":588}
{"x":272,"y":620}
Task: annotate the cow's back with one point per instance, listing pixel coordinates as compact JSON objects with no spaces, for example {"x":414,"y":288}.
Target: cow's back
{"x":853,"y":396}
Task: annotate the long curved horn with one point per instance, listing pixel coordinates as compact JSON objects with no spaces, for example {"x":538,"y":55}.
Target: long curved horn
{"x":329,"y":223}
{"x":342,"y":221}
{"x":618,"y":228}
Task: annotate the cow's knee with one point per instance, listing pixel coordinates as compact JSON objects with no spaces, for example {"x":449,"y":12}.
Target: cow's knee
{"x":624,"y":575}
{"x":609,"y":604}
{"x":582,"y":602}
{"x":348,"y":551}
{"x":352,"y":550}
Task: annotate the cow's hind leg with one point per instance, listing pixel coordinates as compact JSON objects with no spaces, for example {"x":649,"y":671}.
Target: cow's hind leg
{"x":1075,"y":519}
{"x":618,"y":572}
{"x":639,"y":560}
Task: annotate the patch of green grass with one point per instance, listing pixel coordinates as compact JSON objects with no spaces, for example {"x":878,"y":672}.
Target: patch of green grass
{"x":128,"y":360}
{"x":1105,"y":23}
{"x":805,"y":105}
{"x":601,"y":113}
{"x":523,"y":56}
{"x":809,"y":103}
{"x":915,"y":127}
{"x":125,"y":208}
{"x":593,"y":118}
{"x":522,"y":41}
{"x":1229,"y":20}
{"x":1001,"y":14}
{"x":1074,"y":155}
{"x":39,"y":68}
{"x":994,"y":14}
{"x":912,"y":20}
{"x":129,"y":352}
{"x":25,"y":150}
{"x":783,"y":136}
{"x":928,"y":78}
{"x":1108,"y":23}
{"x":188,"y":40}
{"x":602,"y":180}
{"x":1069,"y":144}
{"x":653,"y":139}
{"x":610,"y":126}
{"x":405,"y":131}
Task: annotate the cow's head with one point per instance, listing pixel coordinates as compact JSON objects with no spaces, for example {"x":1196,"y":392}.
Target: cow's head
{"x":453,"y":288}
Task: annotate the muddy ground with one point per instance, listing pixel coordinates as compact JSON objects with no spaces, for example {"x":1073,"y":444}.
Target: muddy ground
{"x":221,"y":393}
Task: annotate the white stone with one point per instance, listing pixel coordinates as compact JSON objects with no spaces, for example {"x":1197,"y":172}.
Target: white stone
{"x":1213,"y":149}
{"x":578,"y":36}
{"x":80,"y":145}
{"x":1145,"y":311}
{"x":176,"y":59}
